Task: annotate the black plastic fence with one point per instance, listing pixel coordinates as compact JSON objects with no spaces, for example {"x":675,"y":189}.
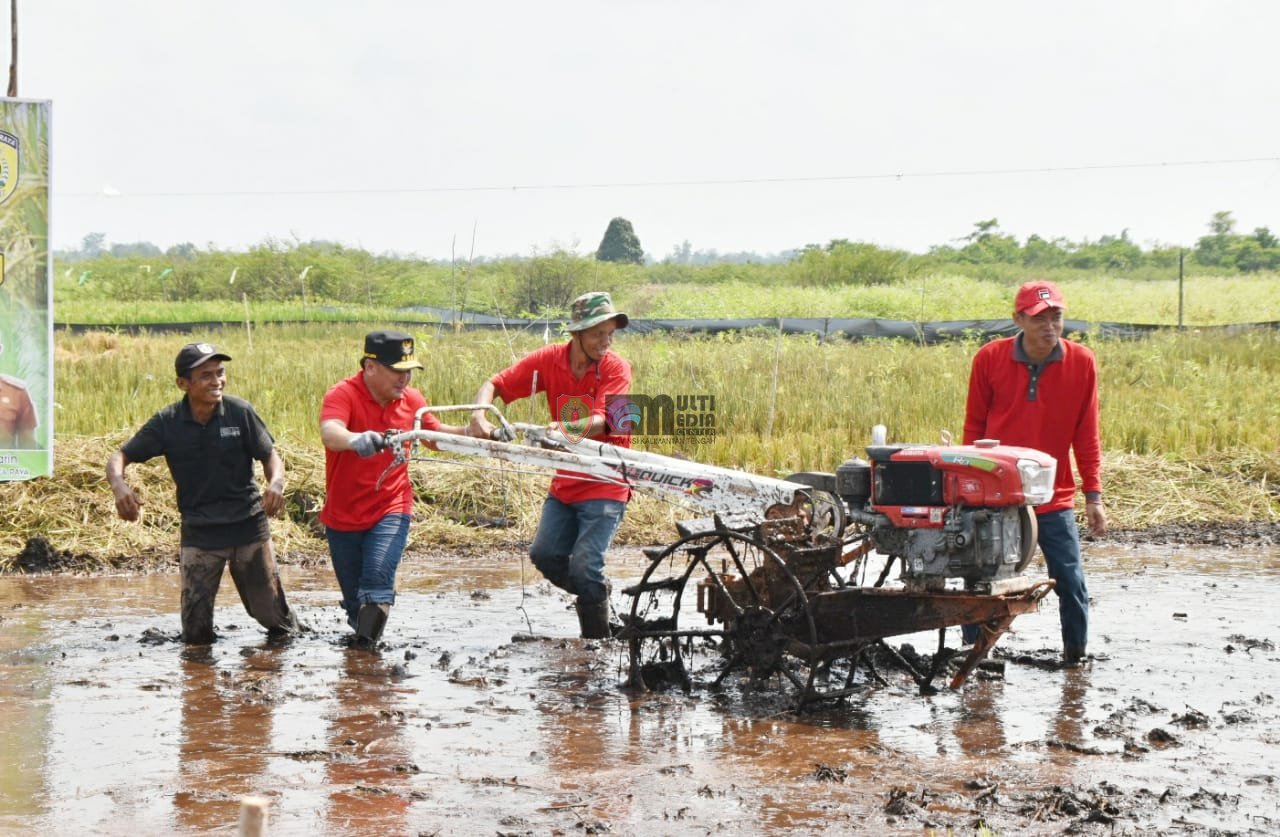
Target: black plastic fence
{"x":847,"y":328}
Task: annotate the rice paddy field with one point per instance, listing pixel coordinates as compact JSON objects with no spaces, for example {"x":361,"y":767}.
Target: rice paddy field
{"x":477,"y":715}
{"x":717,"y":291}
{"x":1189,"y":421}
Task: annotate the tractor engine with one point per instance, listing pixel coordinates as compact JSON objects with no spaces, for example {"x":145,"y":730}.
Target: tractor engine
{"x":949,"y":511}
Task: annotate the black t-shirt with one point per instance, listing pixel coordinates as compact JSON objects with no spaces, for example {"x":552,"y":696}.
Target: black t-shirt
{"x":212,"y":467}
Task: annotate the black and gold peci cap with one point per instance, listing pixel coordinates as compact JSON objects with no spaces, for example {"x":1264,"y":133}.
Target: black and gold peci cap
{"x":391,"y":348}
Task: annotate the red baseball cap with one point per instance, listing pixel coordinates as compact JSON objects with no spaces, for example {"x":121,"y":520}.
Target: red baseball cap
{"x":1034,"y":297}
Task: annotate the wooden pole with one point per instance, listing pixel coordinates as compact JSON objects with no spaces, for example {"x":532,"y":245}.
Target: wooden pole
{"x":253,"y":816}
{"x":248,"y":329}
{"x":773,"y":387}
{"x":1182,"y":255}
{"x":13,"y":49}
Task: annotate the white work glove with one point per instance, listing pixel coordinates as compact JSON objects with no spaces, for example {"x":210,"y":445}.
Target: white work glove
{"x":368,"y":443}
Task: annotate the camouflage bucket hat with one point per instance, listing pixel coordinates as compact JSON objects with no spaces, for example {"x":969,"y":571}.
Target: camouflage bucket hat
{"x":593,"y":308}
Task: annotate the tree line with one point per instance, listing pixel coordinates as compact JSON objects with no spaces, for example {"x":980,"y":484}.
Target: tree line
{"x":543,"y":283}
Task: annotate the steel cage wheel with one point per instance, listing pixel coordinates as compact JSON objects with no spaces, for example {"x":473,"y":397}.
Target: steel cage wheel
{"x":745,"y":611}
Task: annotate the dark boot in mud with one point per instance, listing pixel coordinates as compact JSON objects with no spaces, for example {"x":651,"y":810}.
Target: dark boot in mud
{"x":1074,"y":656}
{"x":593,"y":618}
{"x":285,"y":631}
{"x":369,"y":624}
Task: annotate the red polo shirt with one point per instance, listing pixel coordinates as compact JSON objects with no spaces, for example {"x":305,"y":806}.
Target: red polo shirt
{"x":611,"y":376}
{"x":1055,"y":411}
{"x":353,"y":501}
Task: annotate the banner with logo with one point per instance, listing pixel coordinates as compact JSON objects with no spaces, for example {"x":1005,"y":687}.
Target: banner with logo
{"x":26,"y":293}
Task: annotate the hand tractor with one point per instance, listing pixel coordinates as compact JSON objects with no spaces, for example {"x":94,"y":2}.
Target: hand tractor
{"x":773,"y":580}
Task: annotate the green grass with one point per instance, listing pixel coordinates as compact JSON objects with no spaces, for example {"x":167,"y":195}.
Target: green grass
{"x":1188,"y":423}
{"x":116,"y":312}
{"x":1177,"y":393}
{"x":1205,"y":301}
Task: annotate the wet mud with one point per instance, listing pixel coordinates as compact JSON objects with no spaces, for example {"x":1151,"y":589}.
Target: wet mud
{"x":481,"y":713}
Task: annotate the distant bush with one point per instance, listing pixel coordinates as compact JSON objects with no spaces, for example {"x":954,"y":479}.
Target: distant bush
{"x":835,"y":279}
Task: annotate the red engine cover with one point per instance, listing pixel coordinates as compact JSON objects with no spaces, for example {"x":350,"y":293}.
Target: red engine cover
{"x":981,"y":476}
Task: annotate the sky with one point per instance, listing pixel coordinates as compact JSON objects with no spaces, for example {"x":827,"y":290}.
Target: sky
{"x":515,"y":128}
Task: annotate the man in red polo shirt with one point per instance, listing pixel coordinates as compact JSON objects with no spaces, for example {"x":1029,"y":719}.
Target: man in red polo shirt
{"x":1039,"y":391}
{"x":367,"y":521}
{"x":582,"y":513}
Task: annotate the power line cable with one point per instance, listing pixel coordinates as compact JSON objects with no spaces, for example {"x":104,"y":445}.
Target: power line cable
{"x":661,"y":184}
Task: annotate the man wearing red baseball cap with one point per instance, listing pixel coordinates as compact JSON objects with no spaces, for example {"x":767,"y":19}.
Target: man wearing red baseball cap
{"x":1039,"y":391}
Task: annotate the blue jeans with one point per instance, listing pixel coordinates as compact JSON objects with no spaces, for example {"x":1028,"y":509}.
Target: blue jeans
{"x":570,"y":544}
{"x":1060,"y":543}
{"x":366,"y":561}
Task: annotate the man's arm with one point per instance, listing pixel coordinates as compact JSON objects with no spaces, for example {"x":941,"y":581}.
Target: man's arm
{"x":455,"y":429}
{"x":597,"y":428}
{"x":273,"y":494}
{"x":480,"y":426}
{"x":24,"y":430}
{"x":336,"y":437}
{"x":1087,"y":450}
{"x":128,"y":504}
{"x":615,"y":380}
{"x":1096,"y":515}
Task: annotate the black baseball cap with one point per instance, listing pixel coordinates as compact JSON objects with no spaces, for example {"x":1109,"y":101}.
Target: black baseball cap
{"x":391,"y":348}
{"x":194,"y":354}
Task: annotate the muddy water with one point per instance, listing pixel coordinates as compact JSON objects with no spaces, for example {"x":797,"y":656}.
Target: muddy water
{"x":482,"y":715}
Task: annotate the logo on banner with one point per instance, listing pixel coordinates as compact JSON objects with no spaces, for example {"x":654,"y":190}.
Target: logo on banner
{"x":662,"y":415}
{"x":573,"y":414}
{"x":8,"y":165}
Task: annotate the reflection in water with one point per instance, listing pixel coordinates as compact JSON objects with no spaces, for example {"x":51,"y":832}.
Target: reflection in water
{"x":369,"y":757}
{"x":1068,"y":723}
{"x":979,"y":727}
{"x":24,"y":711}
{"x":225,"y":735}
{"x":105,"y":729}
{"x":589,"y":760}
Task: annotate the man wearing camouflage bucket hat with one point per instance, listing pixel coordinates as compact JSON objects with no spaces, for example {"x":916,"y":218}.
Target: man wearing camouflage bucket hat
{"x":581,"y":514}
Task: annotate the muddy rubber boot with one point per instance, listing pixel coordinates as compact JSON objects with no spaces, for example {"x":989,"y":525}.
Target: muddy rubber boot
{"x":593,"y":619}
{"x":283,"y":633}
{"x":1074,"y":656}
{"x":369,"y":624}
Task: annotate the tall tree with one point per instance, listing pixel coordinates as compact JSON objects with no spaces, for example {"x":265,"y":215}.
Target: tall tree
{"x":620,"y":244}
{"x":91,"y":246}
{"x":1215,"y":250}
{"x":13,"y":49}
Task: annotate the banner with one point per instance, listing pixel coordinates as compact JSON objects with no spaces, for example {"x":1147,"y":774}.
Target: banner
{"x":26,"y":292}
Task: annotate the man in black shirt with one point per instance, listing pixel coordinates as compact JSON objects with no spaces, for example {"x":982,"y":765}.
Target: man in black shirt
{"x":209,"y":441}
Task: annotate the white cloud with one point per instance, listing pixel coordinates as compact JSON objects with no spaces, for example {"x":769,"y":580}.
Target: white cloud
{"x":235,"y":121}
